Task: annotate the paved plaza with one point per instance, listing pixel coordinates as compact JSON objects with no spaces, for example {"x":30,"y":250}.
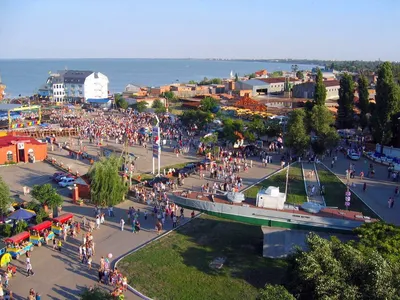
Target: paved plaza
{"x":60,"y":275}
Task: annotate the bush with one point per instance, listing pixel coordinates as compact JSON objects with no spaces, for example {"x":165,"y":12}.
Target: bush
{"x":95,"y":293}
{"x":40,"y":215}
{"x":5,"y":230}
{"x":21,"y":226}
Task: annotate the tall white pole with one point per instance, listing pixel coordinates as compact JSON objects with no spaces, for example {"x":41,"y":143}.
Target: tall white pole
{"x":159,"y":146}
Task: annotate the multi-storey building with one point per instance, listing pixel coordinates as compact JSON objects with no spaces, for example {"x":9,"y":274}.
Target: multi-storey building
{"x":76,"y":86}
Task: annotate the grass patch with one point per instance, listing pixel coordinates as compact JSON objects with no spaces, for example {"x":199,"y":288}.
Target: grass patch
{"x":335,"y":190}
{"x":177,"y":266}
{"x":296,"y":192}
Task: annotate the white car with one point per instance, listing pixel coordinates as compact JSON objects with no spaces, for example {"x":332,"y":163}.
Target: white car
{"x":354,"y":156}
{"x":67,"y":182}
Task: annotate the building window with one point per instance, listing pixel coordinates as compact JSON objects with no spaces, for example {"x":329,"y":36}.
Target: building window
{"x":10,"y":156}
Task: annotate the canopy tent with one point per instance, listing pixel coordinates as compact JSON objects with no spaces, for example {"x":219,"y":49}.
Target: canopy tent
{"x":22,"y":214}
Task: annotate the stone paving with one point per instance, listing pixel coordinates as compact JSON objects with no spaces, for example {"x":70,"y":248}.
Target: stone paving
{"x":59,"y":275}
{"x":310,"y":179}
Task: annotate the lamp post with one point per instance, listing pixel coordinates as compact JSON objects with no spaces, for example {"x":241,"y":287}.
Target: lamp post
{"x":156,"y":146}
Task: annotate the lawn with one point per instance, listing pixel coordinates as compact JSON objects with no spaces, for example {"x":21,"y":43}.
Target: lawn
{"x":335,"y":190}
{"x":177,"y":266}
{"x":296,"y":192}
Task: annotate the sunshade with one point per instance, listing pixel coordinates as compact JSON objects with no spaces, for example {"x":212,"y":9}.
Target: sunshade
{"x":22,"y":214}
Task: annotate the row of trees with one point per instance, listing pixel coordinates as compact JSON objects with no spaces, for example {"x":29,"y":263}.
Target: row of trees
{"x":381,"y":117}
{"x":330,"y":269}
{"x":312,"y":126}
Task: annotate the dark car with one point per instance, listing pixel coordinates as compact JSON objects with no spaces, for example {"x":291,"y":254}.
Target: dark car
{"x":187,"y":170}
{"x":157,"y":180}
{"x":58,"y":177}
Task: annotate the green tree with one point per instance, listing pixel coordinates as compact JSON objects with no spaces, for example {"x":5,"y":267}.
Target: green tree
{"x":276,"y":74}
{"x":170,"y":96}
{"x":95,"y":293}
{"x":252,"y":75}
{"x":346,"y":102}
{"x":120,"y":101}
{"x":383,"y":237}
{"x":236,"y":77}
{"x":331,"y":269}
{"x":208,"y":104}
{"x":387,"y":104}
{"x":107,"y":187}
{"x":363,"y":100}
{"x":300,"y":75}
{"x":197,"y":118}
{"x":232,"y":128}
{"x":275,"y":292}
{"x":140,"y":106}
{"x":47,"y":195}
{"x":321,"y":121}
{"x":296,"y":137}
{"x":257,"y":126}
{"x":5,"y":199}
{"x":319,"y":90}
{"x":192,"y":82}
{"x":209,"y":139}
{"x":158,"y":106}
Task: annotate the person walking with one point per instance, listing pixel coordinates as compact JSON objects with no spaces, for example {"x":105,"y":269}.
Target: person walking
{"x":29,"y":269}
{"x":122,"y":224}
{"x":174,"y":219}
{"x":364,"y":187}
{"x":97,"y":222}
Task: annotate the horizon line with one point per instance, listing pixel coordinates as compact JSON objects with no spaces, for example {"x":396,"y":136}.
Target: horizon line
{"x":195,"y":58}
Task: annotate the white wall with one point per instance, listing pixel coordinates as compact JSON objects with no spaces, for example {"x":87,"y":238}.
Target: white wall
{"x":96,"y":88}
{"x":58,"y":92}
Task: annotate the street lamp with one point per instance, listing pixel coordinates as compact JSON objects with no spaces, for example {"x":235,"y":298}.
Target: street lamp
{"x":156,"y":145}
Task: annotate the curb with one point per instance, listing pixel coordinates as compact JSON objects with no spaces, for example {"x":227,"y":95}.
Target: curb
{"x":354,"y":192}
{"x":115,"y":263}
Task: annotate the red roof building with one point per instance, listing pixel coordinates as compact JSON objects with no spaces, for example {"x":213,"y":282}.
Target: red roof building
{"x":16,"y":149}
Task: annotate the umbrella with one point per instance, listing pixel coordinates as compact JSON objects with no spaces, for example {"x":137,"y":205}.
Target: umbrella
{"x":22,"y":214}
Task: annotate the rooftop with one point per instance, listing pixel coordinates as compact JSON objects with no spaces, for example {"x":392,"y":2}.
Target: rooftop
{"x":278,"y":79}
{"x":330,"y":83}
{"x":254,"y":82}
{"x":12,"y":140}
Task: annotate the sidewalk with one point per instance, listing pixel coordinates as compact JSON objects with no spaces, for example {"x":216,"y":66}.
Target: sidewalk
{"x":310,"y":180}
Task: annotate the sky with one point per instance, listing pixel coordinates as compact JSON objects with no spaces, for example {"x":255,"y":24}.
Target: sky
{"x":233,"y":29}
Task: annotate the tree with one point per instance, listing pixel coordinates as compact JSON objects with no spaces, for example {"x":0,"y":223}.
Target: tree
{"x":257,"y":126}
{"x":300,"y":75}
{"x":274,"y":292}
{"x":47,"y":195}
{"x":140,"y":106}
{"x":363,"y":100}
{"x":5,"y":199}
{"x":158,"y":106}
{"x":346,"y":102}
{"x":383,"y":237}
{"x":209,"y":139}
{"x":95,"y":293}
{"x":232,"y":129}
{"x":169,"y":95}
{"x":192,"y":82}
{"x":387,"y":104}
{"x":236,"y":77}
{"x":296,"y":137}
{"x":208,"y":104}
{"x":120,"y":101}
{"x":197,"y":118}
{"x":331,"y":269}
{"x":252,"y":75}
{"x":107,"y":187}
{"x":276,"y":74}
{"x":319,"y":90}
{"x":321,"y":121}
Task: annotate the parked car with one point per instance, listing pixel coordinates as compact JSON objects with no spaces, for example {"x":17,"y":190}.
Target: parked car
{"x":66,"y":176}
{"x":68,"y":181}
{"x":58,"y":177}
{"x":157,"y":180}
{"x":187,"y":170}
{"x":354,"y":156}
{"x":55,"y":175}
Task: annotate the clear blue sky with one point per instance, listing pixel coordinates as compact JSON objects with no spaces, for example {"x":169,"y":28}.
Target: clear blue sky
{"x":340,"y":29}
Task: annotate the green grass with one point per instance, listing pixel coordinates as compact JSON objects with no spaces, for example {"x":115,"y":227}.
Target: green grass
{"x":335,"y":190}
{"x":177,"y":266}
{"x":296,"y":192}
